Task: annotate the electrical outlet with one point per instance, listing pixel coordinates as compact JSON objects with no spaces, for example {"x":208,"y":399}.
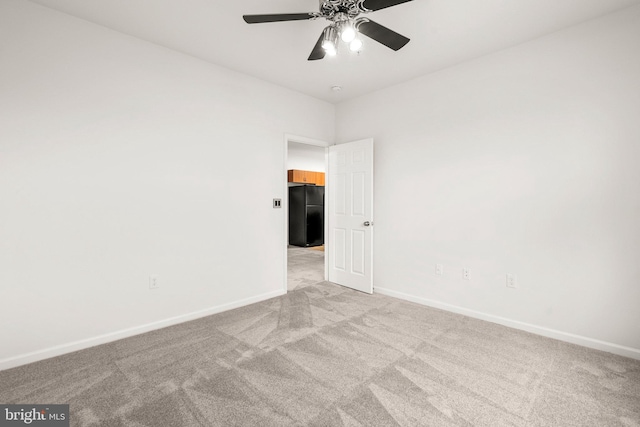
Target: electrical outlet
{"x":466,"y":274}
{"x":511,"y":281}
{"x":153,"y":282}
{"x":439,"y":269}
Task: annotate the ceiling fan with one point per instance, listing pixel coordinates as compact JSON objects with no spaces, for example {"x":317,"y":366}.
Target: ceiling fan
{"x":345,"y":25}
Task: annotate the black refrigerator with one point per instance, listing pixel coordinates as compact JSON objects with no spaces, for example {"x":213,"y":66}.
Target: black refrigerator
{"x":306,"y":215}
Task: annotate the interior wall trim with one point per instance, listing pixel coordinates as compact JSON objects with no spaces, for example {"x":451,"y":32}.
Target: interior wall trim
{"x":58,"y":350}
{"x":633,"y":353}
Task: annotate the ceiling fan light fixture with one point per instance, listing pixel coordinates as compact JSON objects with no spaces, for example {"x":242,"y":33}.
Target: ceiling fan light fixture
{"x":347,"y":32}
{"x":330,"y":39}
{"x":355,"y":45}
{"x":346,"y":23}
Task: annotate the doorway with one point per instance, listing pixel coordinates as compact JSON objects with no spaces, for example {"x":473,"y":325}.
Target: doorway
{"x":305,"y":264}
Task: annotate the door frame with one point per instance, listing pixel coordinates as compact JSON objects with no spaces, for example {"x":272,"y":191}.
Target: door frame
{"x":285,"y":200}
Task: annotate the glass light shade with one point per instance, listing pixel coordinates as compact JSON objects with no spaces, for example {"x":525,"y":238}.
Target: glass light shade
{"x":329,"y":38}
{"x":355,"y":45}
{"x":348,"y":33}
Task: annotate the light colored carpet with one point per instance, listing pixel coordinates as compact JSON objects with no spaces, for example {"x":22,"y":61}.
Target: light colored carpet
{"x":324,"y":355}
{"x":305,"y":266}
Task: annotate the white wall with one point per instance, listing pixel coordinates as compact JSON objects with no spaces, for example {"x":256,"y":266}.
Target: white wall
{"x":524,"y":162}
{"x":120,"y":159}
{"x":306,"y":157}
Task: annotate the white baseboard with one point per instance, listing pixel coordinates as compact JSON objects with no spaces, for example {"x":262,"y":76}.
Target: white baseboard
{"x":58,"y":350}
{"x":633,"y":353}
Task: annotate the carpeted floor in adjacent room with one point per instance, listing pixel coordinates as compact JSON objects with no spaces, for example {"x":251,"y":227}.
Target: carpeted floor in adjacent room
{"x":305,"y":266}
{"x":324,"y":355}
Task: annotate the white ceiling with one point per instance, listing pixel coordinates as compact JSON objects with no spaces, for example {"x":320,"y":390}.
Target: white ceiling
{"x":442,"y":33}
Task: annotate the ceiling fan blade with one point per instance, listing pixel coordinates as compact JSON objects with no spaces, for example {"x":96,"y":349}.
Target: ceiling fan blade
{"x":318,"y":52}
{"x":382,"y":4}
{"x":276,"y":17}
{"x":382,"y":34}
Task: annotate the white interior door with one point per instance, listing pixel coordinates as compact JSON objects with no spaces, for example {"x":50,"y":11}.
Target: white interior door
{"x":350,"y":215}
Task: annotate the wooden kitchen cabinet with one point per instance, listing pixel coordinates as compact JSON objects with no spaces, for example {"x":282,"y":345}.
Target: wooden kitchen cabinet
{"x":306,"y":177}
{"x":302,"y":177}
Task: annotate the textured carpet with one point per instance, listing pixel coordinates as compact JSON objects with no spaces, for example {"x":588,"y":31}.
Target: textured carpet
{"x":324,"y":355}
{"x":305,"y":266}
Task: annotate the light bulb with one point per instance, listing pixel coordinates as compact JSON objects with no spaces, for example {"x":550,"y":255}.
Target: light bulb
{"x":328,"y":45}
{"x":331,"y":51}
{"x":355,"y":45}
{"x":348,"y":33}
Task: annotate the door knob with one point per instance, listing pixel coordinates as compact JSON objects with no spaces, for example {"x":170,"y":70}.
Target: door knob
{"x":367,"y":223}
